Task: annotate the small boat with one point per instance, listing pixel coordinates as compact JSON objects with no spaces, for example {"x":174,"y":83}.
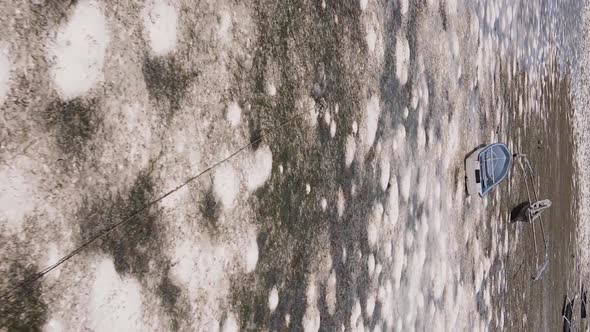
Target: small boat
{"x":486,"y":167}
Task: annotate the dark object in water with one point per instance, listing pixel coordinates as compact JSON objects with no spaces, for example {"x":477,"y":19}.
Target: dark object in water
{"x":584,"y":303}
{"x":526,"y":212}
{"x":567,"y":312}
{"x":519,"y":212}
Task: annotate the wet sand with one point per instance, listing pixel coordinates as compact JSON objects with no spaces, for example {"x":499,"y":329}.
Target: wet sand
{"x":547,"y":139}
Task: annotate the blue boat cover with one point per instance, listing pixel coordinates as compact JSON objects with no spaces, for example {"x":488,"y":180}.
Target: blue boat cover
{"x":495,"y":162}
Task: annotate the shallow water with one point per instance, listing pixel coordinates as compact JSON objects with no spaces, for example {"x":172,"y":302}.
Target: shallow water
{"x":348,"y":210}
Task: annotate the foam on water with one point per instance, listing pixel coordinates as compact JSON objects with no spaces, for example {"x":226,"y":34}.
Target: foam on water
{"x":373,"y":110}
{"x":311,"y":319}
{"x":402,"y":58}
{"x":273,"y":299}
{"x":76,"y":54}
{"x":15,"y":198}
{"x":115,"y":297}
{"x":226,"y":185}
{"x":233,"y":113}
{"x":257,"y":168}
{"x":340,"y":205}
{"x":5,"y":73}
{"x":350,"y":150}
{"x":160,"y":24}
{"x":230,"y":324}
{"x":331,"y":293}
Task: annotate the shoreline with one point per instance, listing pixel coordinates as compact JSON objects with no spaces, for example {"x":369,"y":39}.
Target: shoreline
{"x":547,"y":137}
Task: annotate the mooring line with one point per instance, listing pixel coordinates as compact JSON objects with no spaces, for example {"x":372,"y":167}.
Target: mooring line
{"x":21,"y":285}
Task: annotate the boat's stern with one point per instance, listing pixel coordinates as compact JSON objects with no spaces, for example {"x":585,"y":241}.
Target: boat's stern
{"x":472,"y":173}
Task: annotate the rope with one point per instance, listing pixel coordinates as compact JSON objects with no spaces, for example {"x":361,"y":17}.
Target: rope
{"x":539,"y":270}
{"x":37,"y":276}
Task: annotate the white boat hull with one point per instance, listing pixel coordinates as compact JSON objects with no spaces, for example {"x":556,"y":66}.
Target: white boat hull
{"x":472,"y":173}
